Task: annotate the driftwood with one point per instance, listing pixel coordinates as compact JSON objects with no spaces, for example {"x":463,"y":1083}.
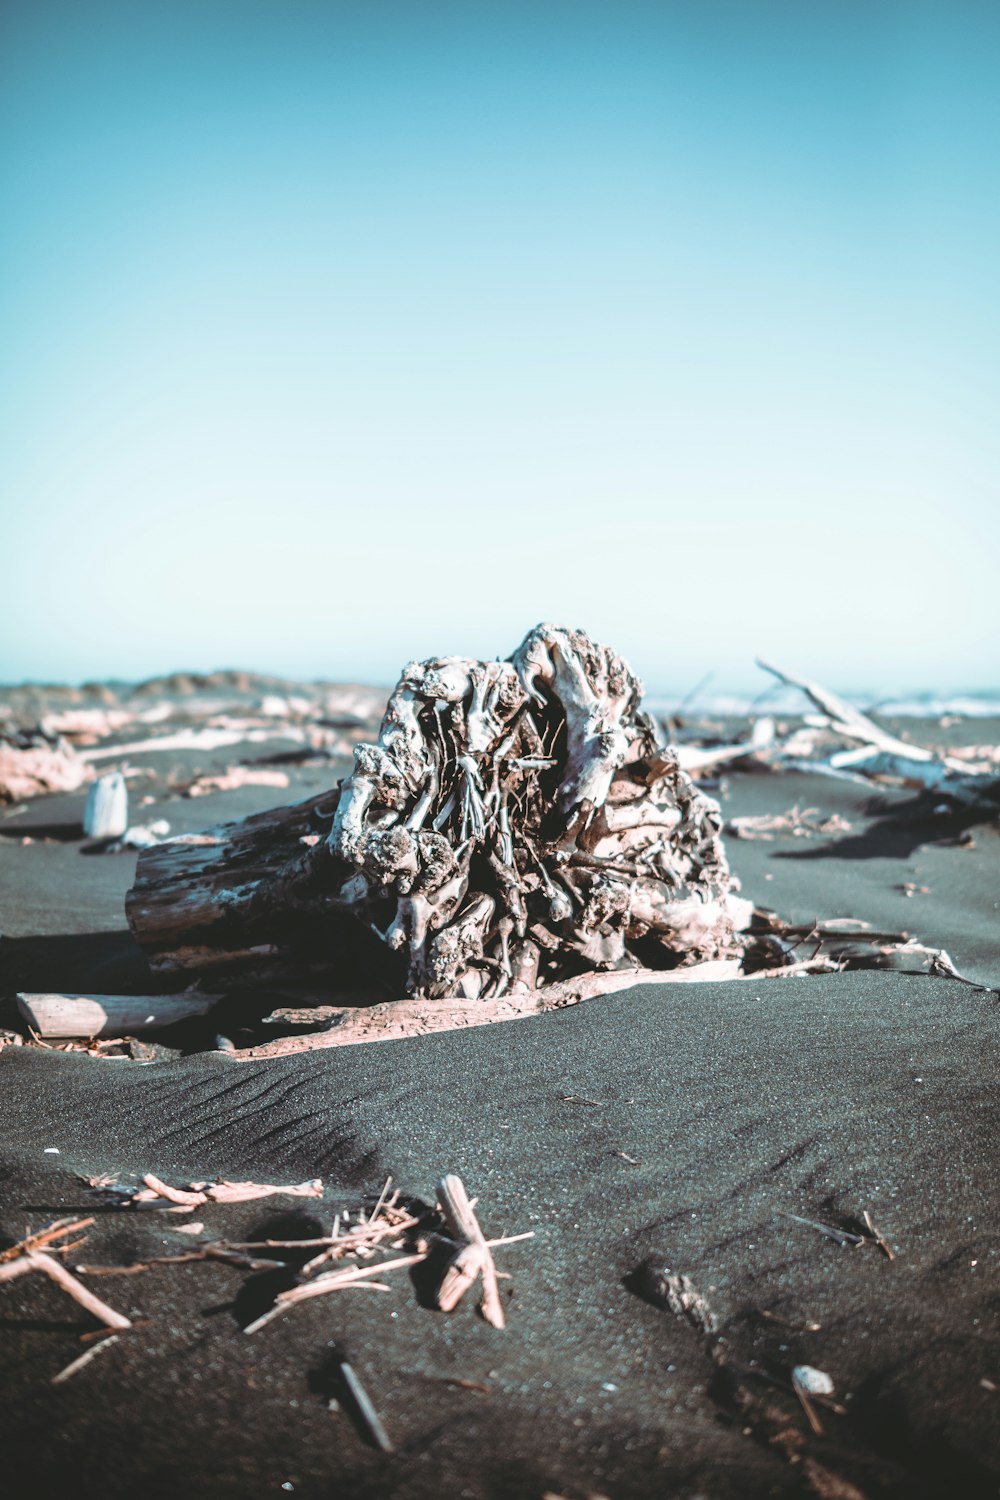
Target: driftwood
{"x":109,"y":1015}
{"x":875,"y":753}
{"x":106,"y":813}
{"x":473,"y":1257}
{"x":34,"y":1253}
{"x":517,"y":823}
{"x":33,"y":762}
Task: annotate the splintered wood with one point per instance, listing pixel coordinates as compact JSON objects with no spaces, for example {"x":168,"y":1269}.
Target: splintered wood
{"x":468,"y":1254}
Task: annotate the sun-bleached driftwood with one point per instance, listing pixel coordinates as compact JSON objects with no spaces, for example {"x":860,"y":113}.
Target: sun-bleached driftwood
{"x":33,"y":762}
{"x":346,"y":1026}
{"x":880,"y":754}
{"x":40,"y":1260}
{"x":516,"y":823}
{"x":105,"y":815}
{"x":459,"y":1215}
{"x":63,"y":1015}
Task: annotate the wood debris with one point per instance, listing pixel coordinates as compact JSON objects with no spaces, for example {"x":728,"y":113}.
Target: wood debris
{"x":85,"y":1358}
{"x":472,"y":1259}
{"x":195,"y":1194}
{"x":236,"y":777}
{"x":363,"y":1405}
{"x":91,"y":1016}
{"x":839,"y":1236}
{"x":804,"y":823}
{"x":33,"y":762}
{"x":877,"y":755}
{"x":676,"y":1292}
{"x":35,"y":1253}
{"x":467,"y":1253}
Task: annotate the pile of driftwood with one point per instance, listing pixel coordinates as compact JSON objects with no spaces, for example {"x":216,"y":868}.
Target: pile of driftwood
{"x":838,"y":740}
{"x":446,"y":1240}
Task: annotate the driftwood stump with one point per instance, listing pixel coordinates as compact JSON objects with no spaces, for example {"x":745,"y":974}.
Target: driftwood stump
{"x":518,"y":822}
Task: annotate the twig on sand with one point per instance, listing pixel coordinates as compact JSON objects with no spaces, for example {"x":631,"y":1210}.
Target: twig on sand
{"x":879,"y":1238}
{"x":217,"y":1251}
{"x":839,"y":1236}
{"x":363,"y":1406}
{"x":332,"y":1282}
{"x":460,"y":1217}
{"x":85,"y":1358}
{"x":55,"y":1231}
{"x":39,"y":1260}
{"x":197,"y":1193}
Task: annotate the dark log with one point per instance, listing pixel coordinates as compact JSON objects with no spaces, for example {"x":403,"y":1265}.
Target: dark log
{"x":255,"y":903}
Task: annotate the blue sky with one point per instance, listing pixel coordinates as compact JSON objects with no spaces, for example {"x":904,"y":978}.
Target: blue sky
{"x":336,"y":335}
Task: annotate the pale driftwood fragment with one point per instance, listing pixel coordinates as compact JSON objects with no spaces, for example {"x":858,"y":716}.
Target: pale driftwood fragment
{"x":365,"y":1409}
{"x":33,"y":763}
{"x":332,"y":1282}
{"x":881,"y":754}
{"x":84,"y":1359}
{"x":396,"y":1019}
{"x":848,"y":721}
{"x":38,"y":1260}
{"x":462,"y":1271}
{"x":72,"y":1015}
{"x":105,"y":815}
{"x":460,"y":1217}
{"x":198,"y":1193}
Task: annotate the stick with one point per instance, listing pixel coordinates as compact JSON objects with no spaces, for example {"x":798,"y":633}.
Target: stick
{"x":172,"y":1194}
{"x":44,"y":1237}
{"x":35,"y":1260}
{"x":848,"y":721}
{"x":461,"y":1220}
{"x":839,"y":1236}
{"x":365,"y":1409}
{"x":880,"y":1241}
{"x":331,"y":1283}
{"x":84,"y":1358}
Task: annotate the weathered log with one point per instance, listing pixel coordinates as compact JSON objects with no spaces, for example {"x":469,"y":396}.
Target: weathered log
{"x":516,"y":823}
{"x":254,"y":902}
{"x":109,"y":1015}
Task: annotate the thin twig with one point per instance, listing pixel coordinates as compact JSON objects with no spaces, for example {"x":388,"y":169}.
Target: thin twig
{"x":879,"y":1239}
{"x":44,"y":1237}
{"x":38,"y":1260}
{"x":839,"y":1236}
{"x":365,"y":1409}
{"x":85,"y":1358}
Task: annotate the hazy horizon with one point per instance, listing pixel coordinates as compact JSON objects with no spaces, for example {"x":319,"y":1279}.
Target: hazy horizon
{"x":338,"y":336}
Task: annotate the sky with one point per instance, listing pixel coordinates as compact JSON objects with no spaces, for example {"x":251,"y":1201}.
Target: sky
{"x":337,"y":335}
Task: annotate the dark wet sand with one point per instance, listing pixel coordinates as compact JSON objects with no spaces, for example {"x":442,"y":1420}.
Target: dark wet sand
{"x":821,"y":1097}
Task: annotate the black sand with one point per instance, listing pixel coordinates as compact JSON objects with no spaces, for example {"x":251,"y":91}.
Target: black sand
{"x":821,"y":1097}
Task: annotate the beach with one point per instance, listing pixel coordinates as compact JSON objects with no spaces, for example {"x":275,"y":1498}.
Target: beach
{"x":690,"y":1128}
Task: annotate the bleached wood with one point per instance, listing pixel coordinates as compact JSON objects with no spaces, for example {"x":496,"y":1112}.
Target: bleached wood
{"x":80,"y":1016}
{"x":460,"y":1217}
{"x":514,"y":821}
